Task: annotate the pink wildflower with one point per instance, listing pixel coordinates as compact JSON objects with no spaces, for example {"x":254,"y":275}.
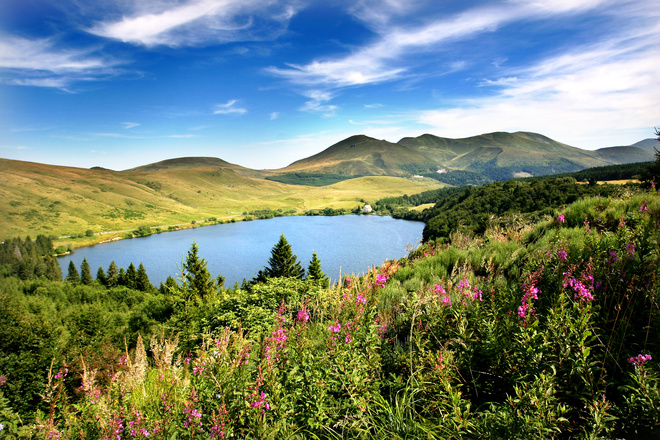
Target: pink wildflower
{"x":463,"y":284}
{"x":561,"y":218}
{"x":446,"y":301}
{"x":562,"y":255}
{"x":439,"y":289}
{"x":640,"y":359}
{"x":303,"y":315}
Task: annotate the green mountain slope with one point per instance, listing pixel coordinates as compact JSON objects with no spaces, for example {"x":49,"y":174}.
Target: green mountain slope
{"x":491,"y":156}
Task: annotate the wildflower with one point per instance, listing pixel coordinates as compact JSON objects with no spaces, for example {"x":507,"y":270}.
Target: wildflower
{"x":360,"y":300}
{"x":123,"y":360}
{"x":382,"y":330}
{"x":348,"y":339}
{"x":381,"y":279}
{"x":463,"y":284}
{"x":477,"y":295}
{"x":261,"y":402}
{"x":643,"y":208}
{"x":303,"y":315}
{"x":446,"y":301}
{"x":335,"y":329}
{"x":525,"y":309}
{"x":613,"y":258}
{"x":561,"y":218}
{"x":3,"y":380}
{"x":640,"y":359}
{"x":439,"y":289}
{"x":562,"y":255}
{"x":630,"y":251}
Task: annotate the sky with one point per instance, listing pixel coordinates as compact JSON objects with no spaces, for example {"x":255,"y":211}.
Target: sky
{"x":263,"y":83}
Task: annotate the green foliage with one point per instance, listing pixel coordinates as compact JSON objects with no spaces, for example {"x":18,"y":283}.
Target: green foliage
{"x":196,"y":277}
{"x":311,"y":179}
{"x":314,"y":272}
{"x":282,"y":263}
{"x":72,"y":276}
{"x":86,"y":273}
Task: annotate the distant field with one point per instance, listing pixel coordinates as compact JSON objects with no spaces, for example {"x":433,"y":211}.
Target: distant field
{"x":62,"y":201}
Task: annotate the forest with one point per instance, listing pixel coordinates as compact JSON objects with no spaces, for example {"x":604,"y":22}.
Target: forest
{"x":531,"y":313}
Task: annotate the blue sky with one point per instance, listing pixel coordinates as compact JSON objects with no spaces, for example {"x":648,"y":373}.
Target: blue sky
{"x":262,"y":83}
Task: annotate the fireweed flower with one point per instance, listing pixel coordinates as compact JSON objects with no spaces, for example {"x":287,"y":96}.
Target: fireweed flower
{"x":561,"y":218}
{"x":477,"y":295}
{"x":439,"y":289}
{"x":303,"y":315}
{"x":381,"y":279}
{"x":463,"y":284}
{"x":446,"y":301}
{"x":360,"y":300}
{"x":630,"y":251}
{"x":562,"y":255}
{"x":640,"y":359}
{"x":525,"y":309}
{"x":260,"y":402}
{"x":643,"y":208}
{"x":612,"y":258}
{"x":382,"y":330}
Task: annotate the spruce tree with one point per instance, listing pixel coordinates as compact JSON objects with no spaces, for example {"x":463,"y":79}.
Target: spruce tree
{"x":73,"y":275}
{"x":112,"y":279}
{"x":197,"y":277}
{"x":100,"y":276}
{"x":315,"y":273}
{"x":130,"y":278}
{"x":169,"y":286}
{"x":283,"y":263}
{"x":86,"y":273}
{"x":142,"y":282}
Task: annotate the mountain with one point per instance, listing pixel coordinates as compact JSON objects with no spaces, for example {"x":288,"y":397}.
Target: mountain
{"x":491,"y":156}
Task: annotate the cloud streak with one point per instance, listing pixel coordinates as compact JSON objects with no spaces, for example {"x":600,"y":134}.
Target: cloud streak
{"x":197,"y":22}
{"x":40,"y":63}
{"x":229,"y":108}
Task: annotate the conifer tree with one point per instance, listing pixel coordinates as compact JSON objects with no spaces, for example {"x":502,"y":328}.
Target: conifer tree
{"x":112,"y":279}
{"x":130,"y":278}
{"x":86,"y":273}
{"x":142,"y":282}
{"x":169,"y":286}
{"x":100,"y":276}
{"x":314,"y":271}
{"x":73,"y":275}
{"x":197,"y":277}
{"x":282,"y":263}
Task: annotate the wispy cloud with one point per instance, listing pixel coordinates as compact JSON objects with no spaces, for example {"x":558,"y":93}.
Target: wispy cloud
{"x":13,"y":147}
{"x":318,"y":103}
{"x":228,"y":108}
{"x":118,"y":135}
{"x":194,"y":22}
{"x":129,"y":125}
{"x":181,"y":136}
{"x":40,"y":63}
{"x":591,"y":92}
{"x":274,"y":115}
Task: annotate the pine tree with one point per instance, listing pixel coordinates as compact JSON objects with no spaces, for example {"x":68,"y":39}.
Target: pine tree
{"x":100,"y":276}
{"x":169,"y":286}
{"x":112,"y":279}
{"x":652,"y":173}
{"x":73,"y":275}
{"x":315,"y":273}
{"x":86,"y":273}
{"x":283,"y":263}
{"x":130,"y":278}
{"x":197,"y":277}
{"x":142,"y":282}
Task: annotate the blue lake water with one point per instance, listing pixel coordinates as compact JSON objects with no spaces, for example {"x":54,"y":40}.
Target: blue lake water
{"x":348,"y":244}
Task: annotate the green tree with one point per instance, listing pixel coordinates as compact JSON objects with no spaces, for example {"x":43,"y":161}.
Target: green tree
{"x":282,"y":263}
{"x":652,"y":173}
{"x":130,"y":278}
{"x":142,"y":282}
{"x":112,"y":279}
{"x":315,"y":273}
{"x":86,"y":273}
{"x":73,"y":275}
{"x":100,"y":276}
{"x":197,"y":279}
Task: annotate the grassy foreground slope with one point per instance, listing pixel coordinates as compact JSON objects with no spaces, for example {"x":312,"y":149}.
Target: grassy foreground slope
{"x":532,"y":331}
{"x":61,"y":201}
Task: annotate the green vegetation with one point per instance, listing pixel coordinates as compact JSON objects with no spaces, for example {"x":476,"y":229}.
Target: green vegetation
{"x":318,"y":179}
{"x":536,"y":329}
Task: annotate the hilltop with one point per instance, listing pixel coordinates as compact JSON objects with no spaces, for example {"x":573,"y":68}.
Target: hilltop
{"x":477,"y":159}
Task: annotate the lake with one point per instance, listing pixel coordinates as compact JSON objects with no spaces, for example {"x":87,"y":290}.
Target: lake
{"x":348,"y":244}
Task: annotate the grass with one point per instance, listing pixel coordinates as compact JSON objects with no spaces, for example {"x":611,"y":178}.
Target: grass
{"x":63,"y":201}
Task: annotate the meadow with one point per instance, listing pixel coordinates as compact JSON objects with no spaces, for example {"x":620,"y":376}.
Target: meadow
{"x":530,"y":328}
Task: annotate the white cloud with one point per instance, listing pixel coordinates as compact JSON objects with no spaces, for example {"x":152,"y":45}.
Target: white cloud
{"x":129,"y":125}
{"x":228,"y":108}
{"x":317,"y":103}
{"x":274,"y":115}
{"x":39,"y":63}
{"x":589,"y":97}
{"x":194,"y":22}
{"x":181,"y":136}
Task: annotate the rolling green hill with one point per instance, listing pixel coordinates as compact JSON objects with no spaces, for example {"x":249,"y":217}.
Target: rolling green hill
{"x":491,"y":156}
{"x":65,"y":201}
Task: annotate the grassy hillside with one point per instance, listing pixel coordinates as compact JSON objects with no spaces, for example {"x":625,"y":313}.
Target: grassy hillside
{"x":491,"y":156}
{"x":62,"y":201}
{"x":531,"y":330}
